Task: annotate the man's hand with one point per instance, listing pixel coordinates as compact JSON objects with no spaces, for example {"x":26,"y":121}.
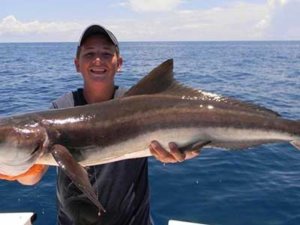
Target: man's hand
{"x":30,"y":177}
{"x":174,"y":156}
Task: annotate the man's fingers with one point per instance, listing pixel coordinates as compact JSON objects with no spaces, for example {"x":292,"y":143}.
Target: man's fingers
{"x":179,"y":157}
{"x":160,"y":153}
{"x":5,"y":177}
{"x":175,"y":155}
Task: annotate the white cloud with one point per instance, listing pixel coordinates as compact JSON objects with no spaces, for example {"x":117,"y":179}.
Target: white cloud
{"x":273,"y":3}
{"x":12,"y":30}
{"x":273,"y":20}
{"x":235,"y":21}
{"x":153,"y":5}
{"x":282,"y":21}
{"x":232,"y":22}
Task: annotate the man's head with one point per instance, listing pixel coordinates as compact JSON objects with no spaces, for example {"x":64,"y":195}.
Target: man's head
{"x":95,"y":30}
{"x":98,"y":57}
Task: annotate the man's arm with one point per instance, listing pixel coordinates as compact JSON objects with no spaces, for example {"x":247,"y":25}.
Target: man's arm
{"x":30,"y":177}
{"x":33,"y":175}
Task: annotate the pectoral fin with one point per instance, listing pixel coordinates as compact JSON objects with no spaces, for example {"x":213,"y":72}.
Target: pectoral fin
{"x":194,"y":146}
{"x":75,"y":172}
{"x":296,"y":144}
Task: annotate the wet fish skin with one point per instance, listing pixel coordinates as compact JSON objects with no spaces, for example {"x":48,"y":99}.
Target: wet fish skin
{"x":95,"y":134}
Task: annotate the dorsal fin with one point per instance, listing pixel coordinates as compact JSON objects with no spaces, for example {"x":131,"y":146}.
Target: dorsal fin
{"x":157,"y":81}
{"x":161,"y":81}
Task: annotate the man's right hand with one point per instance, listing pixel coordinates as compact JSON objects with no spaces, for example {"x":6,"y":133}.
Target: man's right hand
{"x":30,"y":177}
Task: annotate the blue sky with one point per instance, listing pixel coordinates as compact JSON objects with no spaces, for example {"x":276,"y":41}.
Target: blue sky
{"x":151,"y":20}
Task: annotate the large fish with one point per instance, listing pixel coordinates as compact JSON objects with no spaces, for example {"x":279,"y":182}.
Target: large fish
{"x":156,"y":108}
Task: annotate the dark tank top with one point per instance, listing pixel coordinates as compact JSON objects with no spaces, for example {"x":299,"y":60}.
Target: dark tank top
{"x":122,"y":188}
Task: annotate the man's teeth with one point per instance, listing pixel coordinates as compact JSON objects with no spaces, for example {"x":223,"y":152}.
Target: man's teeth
{"x":98,"y":70}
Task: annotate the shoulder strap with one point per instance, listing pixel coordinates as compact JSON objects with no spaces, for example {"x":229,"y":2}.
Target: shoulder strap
{"x":65,"y":101}
{"x":120,"y":92}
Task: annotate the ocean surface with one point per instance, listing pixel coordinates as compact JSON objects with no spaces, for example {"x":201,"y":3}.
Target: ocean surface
{"x":258,"y":186}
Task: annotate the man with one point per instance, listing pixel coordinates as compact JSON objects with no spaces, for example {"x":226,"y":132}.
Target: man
{"x":122,"y":186}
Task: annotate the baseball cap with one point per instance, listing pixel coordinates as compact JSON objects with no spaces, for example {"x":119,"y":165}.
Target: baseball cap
{"x":98,"y":29}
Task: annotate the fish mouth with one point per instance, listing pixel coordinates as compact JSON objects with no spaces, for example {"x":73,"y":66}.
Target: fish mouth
{"x":36,"y":151}
{"x":27,"y":160}
{"x":21,"y":164}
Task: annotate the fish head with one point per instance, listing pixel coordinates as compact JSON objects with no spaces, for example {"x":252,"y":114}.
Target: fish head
{"x":21,"y":144}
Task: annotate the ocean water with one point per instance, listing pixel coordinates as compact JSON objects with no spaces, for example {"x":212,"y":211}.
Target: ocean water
{"x":247,"y":187}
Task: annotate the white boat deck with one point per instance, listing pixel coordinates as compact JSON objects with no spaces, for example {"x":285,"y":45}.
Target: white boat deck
{"x":23,"y":218}
{"x":26,"y":218}
{"x":176,"y":222}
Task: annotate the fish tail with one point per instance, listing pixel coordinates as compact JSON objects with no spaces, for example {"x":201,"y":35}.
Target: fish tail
{"x":296,"y":132}
{"x":296,"y":144}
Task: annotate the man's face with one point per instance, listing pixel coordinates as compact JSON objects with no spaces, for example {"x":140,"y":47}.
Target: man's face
{"x":98,"y":61}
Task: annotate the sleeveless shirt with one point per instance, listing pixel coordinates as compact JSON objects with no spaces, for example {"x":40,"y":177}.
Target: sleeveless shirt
{"x":122,"y":187}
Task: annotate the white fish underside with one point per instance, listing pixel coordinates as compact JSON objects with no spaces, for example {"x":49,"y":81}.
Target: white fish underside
{"x":138,"y":147}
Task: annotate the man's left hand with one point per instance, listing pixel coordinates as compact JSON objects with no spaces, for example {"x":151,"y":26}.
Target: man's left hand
{"x":172,"y":156}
